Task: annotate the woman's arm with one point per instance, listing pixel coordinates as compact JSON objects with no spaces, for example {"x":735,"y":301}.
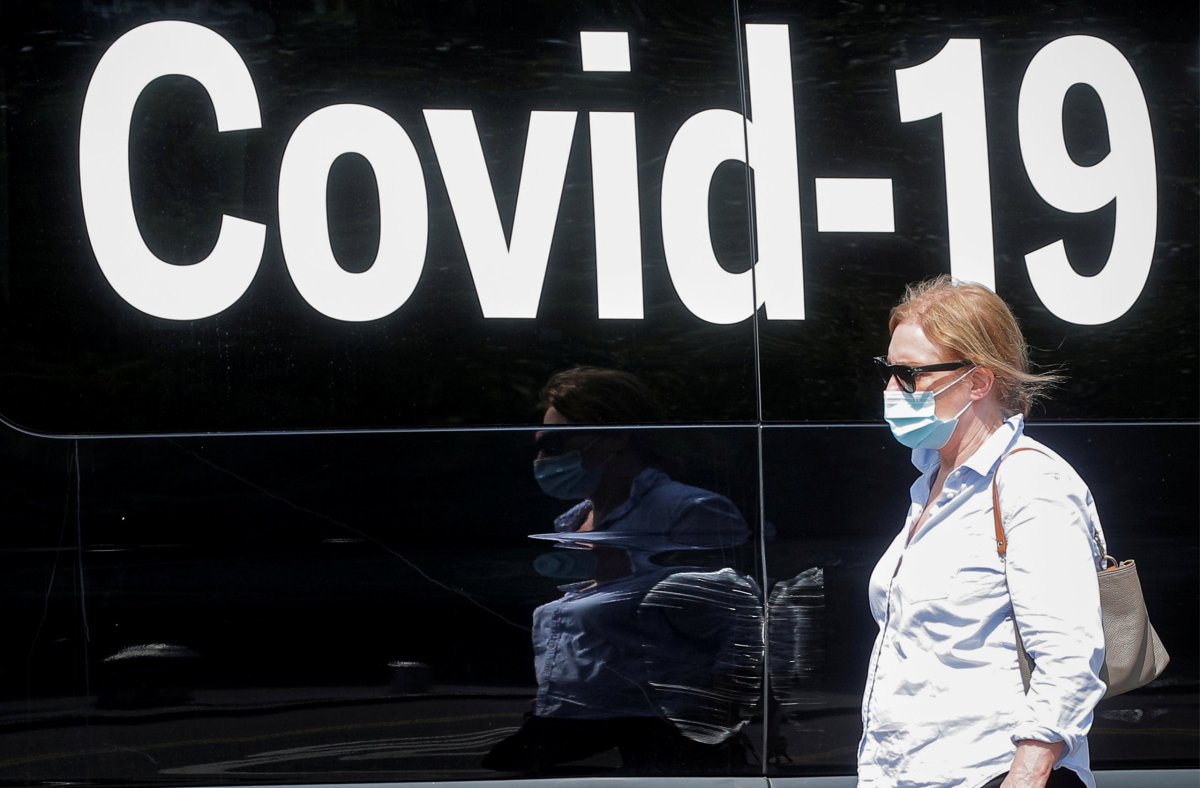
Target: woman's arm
{"x":1051,"y":573}
{"x":1032,"y":764}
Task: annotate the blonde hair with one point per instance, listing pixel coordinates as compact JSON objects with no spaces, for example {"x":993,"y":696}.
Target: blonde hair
{"x":972,"y":323}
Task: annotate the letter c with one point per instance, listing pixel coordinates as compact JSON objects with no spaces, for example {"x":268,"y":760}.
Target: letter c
{"x":174,"y":292}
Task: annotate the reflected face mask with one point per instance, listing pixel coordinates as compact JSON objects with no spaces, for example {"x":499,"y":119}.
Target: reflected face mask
{"x":566,"y":564}
{"x":564,"y":477}
{"x":914,"y":421}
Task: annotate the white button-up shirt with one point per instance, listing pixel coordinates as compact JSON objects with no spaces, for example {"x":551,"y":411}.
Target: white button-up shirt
{"x":944,"y":704}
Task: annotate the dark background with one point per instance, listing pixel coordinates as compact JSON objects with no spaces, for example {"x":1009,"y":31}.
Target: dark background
{"x":81,"y":360}
{"x":845,"y":56}
{"x":288,"y":570}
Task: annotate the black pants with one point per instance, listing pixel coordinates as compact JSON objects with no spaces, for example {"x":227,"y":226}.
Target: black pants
{"x":1059,"y":778}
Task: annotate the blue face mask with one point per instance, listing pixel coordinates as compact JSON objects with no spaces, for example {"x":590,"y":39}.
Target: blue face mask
{"x":563,"y":476}
{"x":914,"y":421}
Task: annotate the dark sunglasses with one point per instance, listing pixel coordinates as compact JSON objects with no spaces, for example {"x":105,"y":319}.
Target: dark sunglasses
{"x":908,"y":375}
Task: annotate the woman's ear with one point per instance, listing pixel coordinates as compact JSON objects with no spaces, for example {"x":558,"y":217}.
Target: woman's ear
{"x":982,"y":382}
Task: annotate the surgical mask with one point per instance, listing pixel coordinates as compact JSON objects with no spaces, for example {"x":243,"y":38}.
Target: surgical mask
{"x":563,"y":476}
{"x":914,"y":421}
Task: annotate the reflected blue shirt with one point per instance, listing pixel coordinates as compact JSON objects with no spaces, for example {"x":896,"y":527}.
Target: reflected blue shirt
{"x":595,"y":655}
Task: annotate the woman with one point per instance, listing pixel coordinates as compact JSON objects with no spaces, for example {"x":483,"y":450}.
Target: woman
{"x":944,"y":703}
{"x":608,"y":659}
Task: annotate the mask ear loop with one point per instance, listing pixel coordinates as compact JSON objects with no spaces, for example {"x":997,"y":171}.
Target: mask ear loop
{"x":955,"y":382}
{"x":970,"y":402}
{"x":964,"y":409}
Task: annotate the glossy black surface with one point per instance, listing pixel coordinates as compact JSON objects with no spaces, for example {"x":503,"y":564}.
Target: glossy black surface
{"x":82,"y":360}
{"x":353,"y":597}
{"x":844,"y":62}
{"x":356,"y":606}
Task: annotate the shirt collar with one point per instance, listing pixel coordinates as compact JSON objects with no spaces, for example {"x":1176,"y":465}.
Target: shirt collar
{"x":643,"y":482}
{"x":571,"y":519}
{"x":986,"y":456}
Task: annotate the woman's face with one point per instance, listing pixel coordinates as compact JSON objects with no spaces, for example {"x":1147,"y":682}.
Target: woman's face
{"x":910,"y":346}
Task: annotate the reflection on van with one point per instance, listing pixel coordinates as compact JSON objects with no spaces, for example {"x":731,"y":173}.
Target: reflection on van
{"x":287,"y":544}
{"x":660,"y":662}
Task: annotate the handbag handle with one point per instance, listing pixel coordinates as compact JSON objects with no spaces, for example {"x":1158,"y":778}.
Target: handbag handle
{"x":1002,"y":539}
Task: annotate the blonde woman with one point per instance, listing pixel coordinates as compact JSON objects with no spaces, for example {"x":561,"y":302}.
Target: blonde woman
{"x":944,"y":702}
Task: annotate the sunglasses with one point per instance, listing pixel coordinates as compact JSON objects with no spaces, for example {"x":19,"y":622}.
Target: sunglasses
{"x":907,"y":376}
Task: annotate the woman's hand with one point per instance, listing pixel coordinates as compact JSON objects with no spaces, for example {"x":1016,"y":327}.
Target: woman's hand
{"x":1032,"y":764}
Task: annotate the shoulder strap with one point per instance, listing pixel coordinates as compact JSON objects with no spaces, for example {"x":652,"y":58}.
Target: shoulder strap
{"x":1106,"y":560}
{"x":1001,"y":538}
{"x":1024,"y":663}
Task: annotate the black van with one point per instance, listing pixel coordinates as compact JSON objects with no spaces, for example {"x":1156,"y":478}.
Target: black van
{"x":281,"y":285}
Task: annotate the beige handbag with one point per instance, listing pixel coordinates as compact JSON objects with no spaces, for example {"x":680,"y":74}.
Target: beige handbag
{"x":1133,"y":654}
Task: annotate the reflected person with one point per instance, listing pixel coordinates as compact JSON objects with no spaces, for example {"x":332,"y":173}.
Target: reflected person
{"x":620,"y":662}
